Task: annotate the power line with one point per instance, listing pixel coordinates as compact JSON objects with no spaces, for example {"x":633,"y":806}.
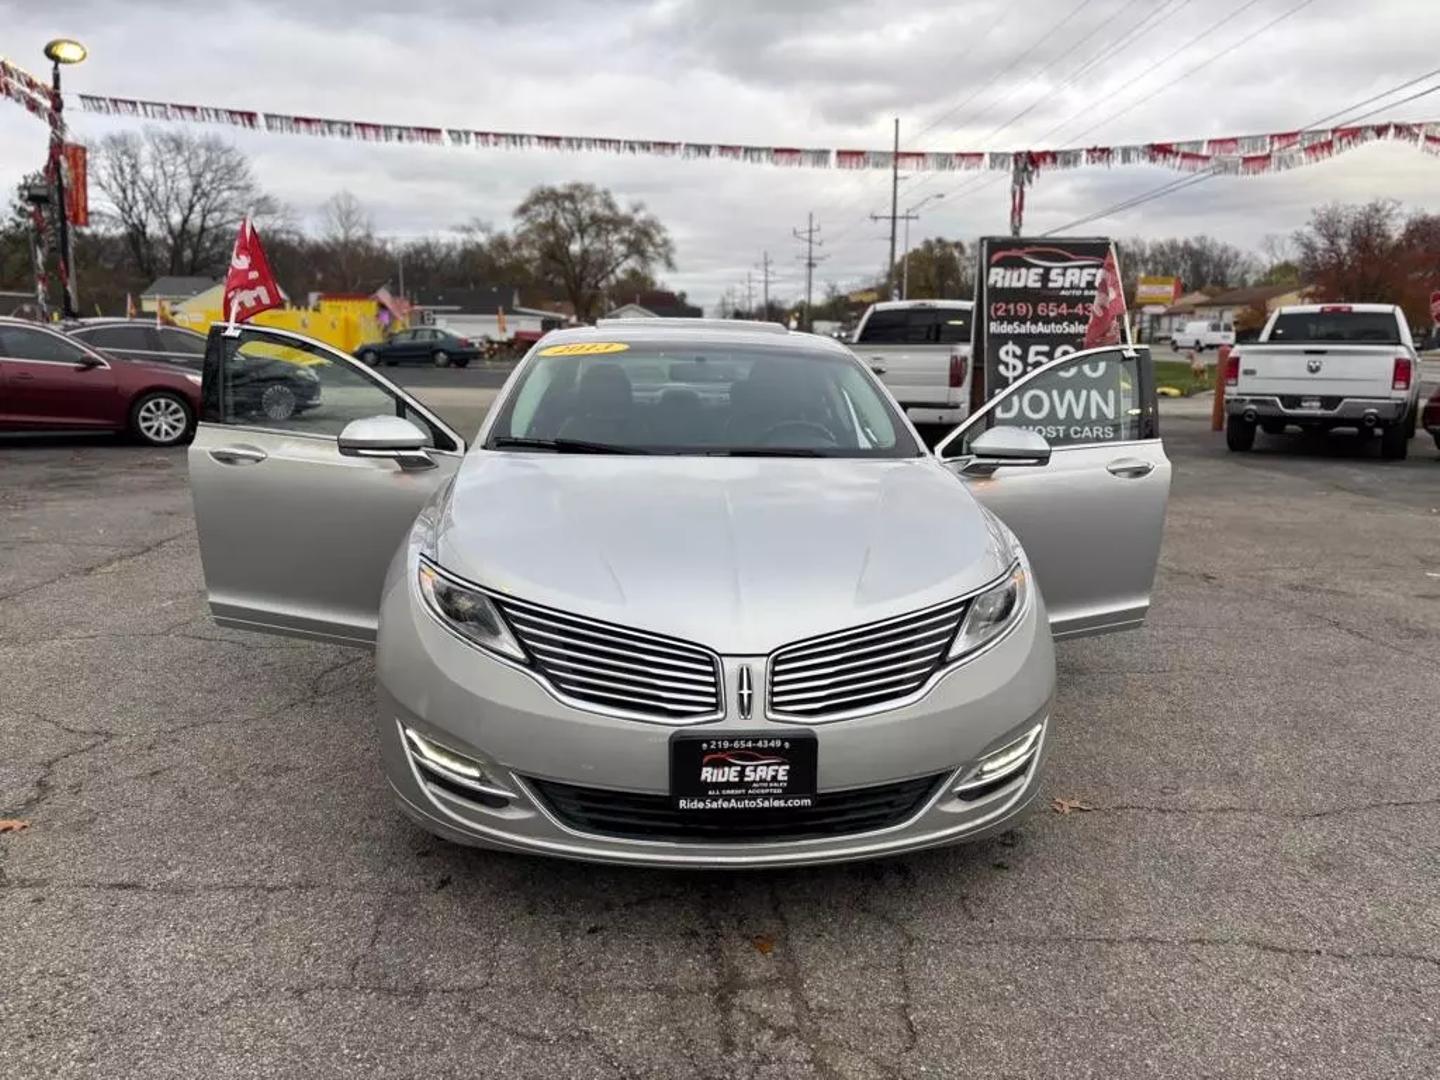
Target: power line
{"x":1190,"y":181}
{"x":1201,"y":65}
{"x":1377,"y":97}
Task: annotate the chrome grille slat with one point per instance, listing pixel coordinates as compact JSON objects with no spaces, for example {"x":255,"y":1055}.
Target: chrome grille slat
{"x":863,"y":667}
{"x":809,"y":672}
{"x":588,"y":643}
{"x":604,"y":631}
{"x":616,"y":668}
{"x":586,"y":661}
{"x":829,"y":655}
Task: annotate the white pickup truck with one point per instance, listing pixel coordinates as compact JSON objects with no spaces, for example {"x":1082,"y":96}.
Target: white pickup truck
{"x":921,"y":351}
{"x":1323,"y":366}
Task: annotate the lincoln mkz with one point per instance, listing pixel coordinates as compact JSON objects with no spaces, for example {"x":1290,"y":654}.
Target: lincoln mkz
{"x":697,"y":595}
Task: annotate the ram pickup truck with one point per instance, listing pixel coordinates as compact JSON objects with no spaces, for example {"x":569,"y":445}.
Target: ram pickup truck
{"x":921,"y":351}
{"x":1323,"y":366}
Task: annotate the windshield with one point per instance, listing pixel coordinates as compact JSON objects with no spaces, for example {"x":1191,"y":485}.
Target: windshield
{"x":1365,"y":327}
{"x":699,"y":399}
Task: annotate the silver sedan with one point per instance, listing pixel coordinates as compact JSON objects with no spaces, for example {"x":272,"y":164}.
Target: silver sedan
{"x":697,"y":595}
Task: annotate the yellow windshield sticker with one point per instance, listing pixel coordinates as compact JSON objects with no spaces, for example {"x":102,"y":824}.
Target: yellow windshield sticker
{"x":585,"y":348}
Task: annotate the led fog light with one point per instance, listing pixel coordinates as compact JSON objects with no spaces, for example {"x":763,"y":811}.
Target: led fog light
{"x":454,"y":773}
{"x":998,"y":768}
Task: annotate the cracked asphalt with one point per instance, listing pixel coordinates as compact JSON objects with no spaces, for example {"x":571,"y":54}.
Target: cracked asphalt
{"x":214,"y":883}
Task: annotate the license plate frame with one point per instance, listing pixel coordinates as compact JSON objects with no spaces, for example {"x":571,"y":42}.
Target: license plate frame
{"x":1310,"y":403}
{"x":752,"y":770}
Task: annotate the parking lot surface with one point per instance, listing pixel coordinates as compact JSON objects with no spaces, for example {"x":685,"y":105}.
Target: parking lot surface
{"x":213,"y":882}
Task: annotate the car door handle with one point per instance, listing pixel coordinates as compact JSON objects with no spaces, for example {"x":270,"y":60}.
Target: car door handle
{"x":237,"y":455}
{"x":1130,"y":468}
{"x":23,"y":376}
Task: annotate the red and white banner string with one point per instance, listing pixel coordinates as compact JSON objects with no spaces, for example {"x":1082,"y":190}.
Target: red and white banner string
{"x":1240,"y":155}
{"x":25,"y":89}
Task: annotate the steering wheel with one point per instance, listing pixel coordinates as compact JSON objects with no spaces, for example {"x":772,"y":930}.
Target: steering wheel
{"x":769,"y":434}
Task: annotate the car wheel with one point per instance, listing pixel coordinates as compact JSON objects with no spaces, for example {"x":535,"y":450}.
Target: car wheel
{"x":1395,"y":442}
{"x":1239,"y":433}
{"x":1412,"y":423}
{"x":161,"y":418}
{"x":1273,"y":427}
{"x":370,"y":357}
{"x":441,"y":358}
{"x":278,"y":402}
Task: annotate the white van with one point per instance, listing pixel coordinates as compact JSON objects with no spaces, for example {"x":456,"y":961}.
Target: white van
{"x":1203,"y":335}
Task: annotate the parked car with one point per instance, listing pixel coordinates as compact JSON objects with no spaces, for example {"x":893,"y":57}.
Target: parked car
{"x":1323,"y":366}
{"x":51,"y":381}
{"x":262,"y":385}
{"x":1431,"y":417}
{"x":921,"y":351}
{"x":1203,"y":335}
{"x":698,"y":595}
{"x":430,"y":344}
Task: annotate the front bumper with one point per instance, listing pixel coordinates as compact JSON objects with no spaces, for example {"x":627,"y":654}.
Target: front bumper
{"x":1344,"y":412}
{"x":476,"y":705}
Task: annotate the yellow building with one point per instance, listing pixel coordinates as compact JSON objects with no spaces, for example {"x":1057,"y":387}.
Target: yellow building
{"x":344,"y":320}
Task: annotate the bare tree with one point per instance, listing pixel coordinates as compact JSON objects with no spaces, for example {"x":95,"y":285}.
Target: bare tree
{"x":349,"y":236}
{"x":177,"y":198}
{"x":581,"y":239}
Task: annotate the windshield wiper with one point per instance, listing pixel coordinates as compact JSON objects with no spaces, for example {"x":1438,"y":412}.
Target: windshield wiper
{"x":564,"y":446}
{"x":771,"y":451}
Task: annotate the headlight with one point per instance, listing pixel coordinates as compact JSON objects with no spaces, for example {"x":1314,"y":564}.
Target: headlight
{"x":991,"y":613}
{"x":468,"y":612}
{"x":196,"y":379}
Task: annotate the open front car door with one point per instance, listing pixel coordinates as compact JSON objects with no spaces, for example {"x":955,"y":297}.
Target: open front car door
{"x":307,"y":470}
{"x":1087,"y":502}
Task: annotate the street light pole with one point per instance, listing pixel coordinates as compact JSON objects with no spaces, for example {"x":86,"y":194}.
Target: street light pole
{"x":911,"y":215}
{"x":62,"y":51}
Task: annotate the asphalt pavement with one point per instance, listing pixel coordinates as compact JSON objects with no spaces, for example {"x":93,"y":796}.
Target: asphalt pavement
{"x":213,"y":882}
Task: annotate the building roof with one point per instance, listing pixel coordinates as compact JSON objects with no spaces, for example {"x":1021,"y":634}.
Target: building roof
{"x":657,"y":303}
{"x":485,"y":300}
{"x":1254,"y":294}
{"x":177,"y":288}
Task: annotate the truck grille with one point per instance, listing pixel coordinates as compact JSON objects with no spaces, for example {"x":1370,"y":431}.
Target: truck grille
{"x":615,"y":667}
{"x":862,"y":668}
{"x":643,"y":816}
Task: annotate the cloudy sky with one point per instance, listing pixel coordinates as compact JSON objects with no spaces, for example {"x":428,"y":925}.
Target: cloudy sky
{"x":962,"y":75}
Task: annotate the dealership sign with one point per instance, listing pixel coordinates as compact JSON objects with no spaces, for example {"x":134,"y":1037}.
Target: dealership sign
{"x":1156,"y":292}
{"x":1040,"y":299}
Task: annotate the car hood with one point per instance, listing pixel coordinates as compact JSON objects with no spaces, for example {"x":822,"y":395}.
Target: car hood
{"x":740,"y":554}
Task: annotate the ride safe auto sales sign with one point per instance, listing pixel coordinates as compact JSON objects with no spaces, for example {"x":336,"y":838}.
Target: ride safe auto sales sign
{"x":1040,"y":299}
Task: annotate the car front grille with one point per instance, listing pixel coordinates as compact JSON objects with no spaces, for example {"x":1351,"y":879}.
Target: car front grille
{"x":862,"y":668}
{"x":641,"y":816}
{"x":617,"y":668}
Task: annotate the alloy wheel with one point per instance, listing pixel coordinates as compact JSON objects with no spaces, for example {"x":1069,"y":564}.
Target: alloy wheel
{"x":161,"y":419}
{"x":278,"y":402}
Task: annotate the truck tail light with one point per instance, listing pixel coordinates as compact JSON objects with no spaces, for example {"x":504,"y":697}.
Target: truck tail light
{"x":1404,"y":372}
{"x":1232,"y":369}
{"x":958,"y":368}
{"x":1332,"y":309}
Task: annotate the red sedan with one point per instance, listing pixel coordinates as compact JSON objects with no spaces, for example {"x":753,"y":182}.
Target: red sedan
{"x":52,"y":382}
{"x":1430,"y":418}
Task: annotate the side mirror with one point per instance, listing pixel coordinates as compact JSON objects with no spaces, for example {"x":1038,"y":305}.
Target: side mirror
{"x":88,"y":361}
{"x":1005,"y":446}
{"x":391,"y":437}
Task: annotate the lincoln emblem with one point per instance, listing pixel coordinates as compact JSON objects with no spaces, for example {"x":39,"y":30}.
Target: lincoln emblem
{"x":747,"y":693}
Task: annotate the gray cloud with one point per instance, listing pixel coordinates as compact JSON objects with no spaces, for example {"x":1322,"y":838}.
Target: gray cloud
{"x":797,"y":73}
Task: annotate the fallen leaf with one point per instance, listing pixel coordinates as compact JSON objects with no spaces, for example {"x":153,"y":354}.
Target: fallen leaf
{"x":1065,"y":806}
{"x":12,"y":825}
{"x":764,"y":944}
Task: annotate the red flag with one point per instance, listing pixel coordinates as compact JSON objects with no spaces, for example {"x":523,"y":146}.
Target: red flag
{"x":1109,"y":308}
{"x":250,"y":287}
{"x":77,"y":185}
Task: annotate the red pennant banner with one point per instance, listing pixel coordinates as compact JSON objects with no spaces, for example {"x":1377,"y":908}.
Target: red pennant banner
{"x":250,"y":287}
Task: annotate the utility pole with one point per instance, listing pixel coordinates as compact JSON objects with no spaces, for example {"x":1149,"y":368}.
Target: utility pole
{"x":765,"y":282}
{"x":749,"y":296}
{"x":894,"y":205}
{"x":808,"y":235}
{"x":894,"y":217}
